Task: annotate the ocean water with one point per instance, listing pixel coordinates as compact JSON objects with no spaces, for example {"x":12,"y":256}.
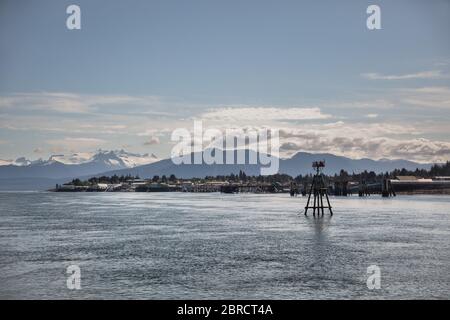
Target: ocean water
{"x":221,"y":246}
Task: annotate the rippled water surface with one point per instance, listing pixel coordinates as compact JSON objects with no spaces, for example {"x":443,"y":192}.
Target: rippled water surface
{"x":219,"y":246}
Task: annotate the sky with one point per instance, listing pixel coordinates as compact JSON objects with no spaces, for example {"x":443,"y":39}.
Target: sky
{"x":137,"y":70}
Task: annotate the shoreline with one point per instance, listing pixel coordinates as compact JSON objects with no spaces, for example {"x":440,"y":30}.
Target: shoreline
{"x":437,"y":192}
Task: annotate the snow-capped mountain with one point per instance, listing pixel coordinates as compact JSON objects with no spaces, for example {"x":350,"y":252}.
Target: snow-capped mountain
{"x":74,"y":165}
{"x":117,"y":158}
{"x":5,"y":162}
{"x":123,"y":159}
{"x":20,"y":162}
{"x":132,"y":160}
{"x":76,"y":158}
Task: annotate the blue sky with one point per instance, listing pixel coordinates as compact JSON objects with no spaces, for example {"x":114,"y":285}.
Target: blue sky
{"x":137,"y":70}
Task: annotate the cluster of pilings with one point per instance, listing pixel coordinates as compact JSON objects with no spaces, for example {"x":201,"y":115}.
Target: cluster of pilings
{"x":363,"y":190}
{"x":341,"y":188}
{"x":294,"y":189}
{"x":251,"y":187}
{"x":386,"y":188}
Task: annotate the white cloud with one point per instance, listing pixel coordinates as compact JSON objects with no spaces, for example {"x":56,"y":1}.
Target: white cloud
{"x":261,"y":114}
{"x":426,"y":97}
{"x":62,"y":102}
{"x":155,"y":132}
{"x":434,"y":74}
{"x":369,"y":103}
{"x":75,"y":144}
{"x":152,"y":141}
{"x":372,"y":115}
{"x":434,"y":97}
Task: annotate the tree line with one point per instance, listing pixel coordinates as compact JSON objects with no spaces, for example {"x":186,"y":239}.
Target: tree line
{"x":368,"y":177}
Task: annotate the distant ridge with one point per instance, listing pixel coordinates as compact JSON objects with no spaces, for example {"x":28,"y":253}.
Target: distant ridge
{"x":300,"y":163}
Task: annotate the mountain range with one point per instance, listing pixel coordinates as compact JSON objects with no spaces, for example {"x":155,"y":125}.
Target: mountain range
{"x":74,"y":165}
{"x":23,"y":174}
{"x":300,"y":163}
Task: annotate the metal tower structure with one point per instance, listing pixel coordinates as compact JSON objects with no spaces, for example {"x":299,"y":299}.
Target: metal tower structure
{"x":318,"y":190}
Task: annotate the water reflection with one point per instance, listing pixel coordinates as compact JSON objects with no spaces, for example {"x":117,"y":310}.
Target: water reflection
{"x":320,"y":226}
